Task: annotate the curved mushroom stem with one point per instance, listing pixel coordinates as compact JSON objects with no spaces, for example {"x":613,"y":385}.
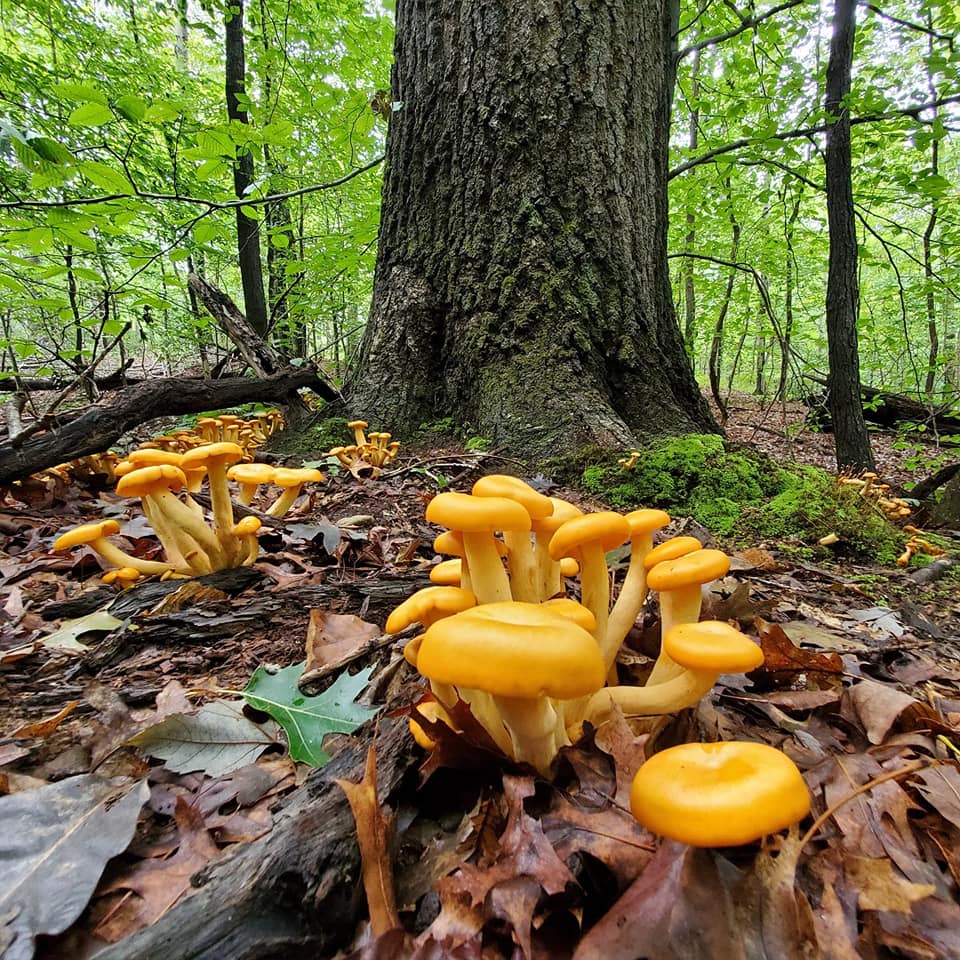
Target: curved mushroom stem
{"x":222,"y":505}
{"x":595,"y":591}
{"x":488,"y":578}
{"x":628,"y":604}
{"x":120,"y":558}
{"x":182,"y":550}
{"x":682,"y":691}
{"x":549,"y":577}
{"x":676,"y":606}
{"x":181,"y":516}
{"x":532,"y":725}
{"x":524,"y":578}
{"x":285,"y":501}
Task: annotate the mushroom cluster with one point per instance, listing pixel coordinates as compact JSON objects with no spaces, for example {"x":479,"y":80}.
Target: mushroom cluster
{"x":511,"y":646}
{"x":375,"y":449}
{"x":248,"y":434}
{"x":893,"y":508}
{"x":192,"y":546}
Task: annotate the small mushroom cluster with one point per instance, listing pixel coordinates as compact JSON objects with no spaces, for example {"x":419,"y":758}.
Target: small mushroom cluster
{"x":917,"y":544}
{"x":893,"y":508}
{"x":533,"y":669}
{"x":248,"y":434}
{"x":192,"y":546}
{"x":375,"y":449}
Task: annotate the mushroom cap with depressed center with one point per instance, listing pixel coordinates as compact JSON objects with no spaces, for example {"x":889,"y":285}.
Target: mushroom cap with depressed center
{"x":701,"y":566}
{"x":460,"y":511}
{"x":86,"y":533}
{"x":144,"y":481}
{"x":224,"y":451}
{"x":427,"y":604}
{"x":712,"y":646}
{"x":569,"y":608}
{"x":512,"y":649}
{"x":606,"y":528}
{"x":671,"y":549}
{"x":251,"y":473}
{"x":148,"y":457}
{"x":294,"y":477}
{"x":718,"y":794}
{"x":513,"y":488}
{"x":562,"y":512}
{"x":646,"y":521}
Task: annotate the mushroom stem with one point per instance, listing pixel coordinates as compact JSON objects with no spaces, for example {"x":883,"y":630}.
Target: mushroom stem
{"x":285,"y":501}
{"x":675,"y":694}
{"x":488,"y":578}
{"x":628,"y":604}
{"x":681,"y":605}
{"x":524,"y":578}
{"x":120,"y":558}
{"x":532,"y":724}
{"x":222,"y":505}
{"x":595,"y":592}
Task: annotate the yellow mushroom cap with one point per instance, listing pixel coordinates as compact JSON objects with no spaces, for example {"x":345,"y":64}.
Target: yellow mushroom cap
{"x":447,"y":573}
{"x":461,"y":511}
{"x":148,"y":457}
{"x":251,"y":473}
{"x":718,"y":794}
{"x":124,"y":576}
{"x":431,"y":710}
{"x":606,"y":528}
{"x":670,"y":550}
{"x":451,"y":541}
{"x":701,"y":566}
{"x":712,"y":646}
{"x":246,"y":527}
{"x":294,"y":477}
{"x":145,"y":480}
{"x":225,"y":451}
{"x":513,"y":488}
{"x":569,"y":567}
{"x":358,"y":424}
{"x":577,"y":612}
{"x":562,"y":511}
{"x":512,"y":649}
{"x":646,"y":521}
{"x":427,"y":604}
{"x":86,"y":533}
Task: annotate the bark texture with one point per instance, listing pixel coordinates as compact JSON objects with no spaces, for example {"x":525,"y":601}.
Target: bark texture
{"x":850,"y":431}
{"x":521,"y":283}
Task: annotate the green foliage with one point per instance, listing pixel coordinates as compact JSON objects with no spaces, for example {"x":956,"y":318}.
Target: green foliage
{"x":307,"y":720}
{"x":741,"y":494}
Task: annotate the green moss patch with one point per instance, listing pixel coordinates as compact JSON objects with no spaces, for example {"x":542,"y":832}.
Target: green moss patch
{"x":739,"y":493}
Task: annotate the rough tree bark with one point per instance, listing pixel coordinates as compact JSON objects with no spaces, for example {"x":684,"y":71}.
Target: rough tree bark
{"x":521,"y":282}
{"x":851,"y":441}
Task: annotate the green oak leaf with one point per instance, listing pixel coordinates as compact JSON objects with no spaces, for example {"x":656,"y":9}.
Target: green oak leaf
{"x":307,"y":720}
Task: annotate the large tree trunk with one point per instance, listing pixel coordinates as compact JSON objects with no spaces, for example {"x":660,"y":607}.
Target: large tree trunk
{"x":521,"y":282}
{"x":851,"y":440}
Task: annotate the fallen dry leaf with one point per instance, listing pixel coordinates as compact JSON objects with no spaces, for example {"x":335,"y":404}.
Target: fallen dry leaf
{"x":782,"y":655}
{"x":880,"y":888}
{"x":940,"y":787}
{"x":877,"y":706}
{"x":43,"y":728}
{"x":333,"y":637}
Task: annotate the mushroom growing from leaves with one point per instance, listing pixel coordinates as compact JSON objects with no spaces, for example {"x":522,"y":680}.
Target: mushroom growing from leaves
{"x":292,"y":481}
{"x":250,"y":476}
{"x":246,"y":532}
{"x":94,"y":535}
{"x":476,"y":519}
{"x":527,"y":658}
{"x":679,"y":584}
{"x":719,"y":794}
{"x":701,"y":652}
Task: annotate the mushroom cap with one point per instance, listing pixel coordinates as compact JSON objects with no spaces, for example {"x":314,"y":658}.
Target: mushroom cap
{"x":294,"y":477}
{"x":646,"y":521}
{"x":251,"y":473}
{"x":512,"y":649}
{"x":451,"y":541}
{"x":577,"y":612}
{"x":224,"y":451}
{"x":569,"y":567}
{"x":606,"y":528}
{"x":461,"y":511}
{"x":718,"y":794}
{"x":362,"y":424}
{"x":670,"y":550}
{"x":427,"y":604}
{"x":701,"y":566}
{"x":246,"y":527}
{"x":513,"y":488}
{"x":147,"y":457}
{"x":146,"y":480}
{"x":712,"y":646}
{"x":86,"y":533}
{"x":447,"y":573}
{"x":562,"y":511}
{"x":123,"y":576}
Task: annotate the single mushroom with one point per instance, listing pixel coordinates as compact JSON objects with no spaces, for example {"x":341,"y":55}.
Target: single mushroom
{"x":123,"y":577}
{"x":524,"y":574}
{"x":476,"y":518}
{"x":550,"y":571}
{"x":718,"y":794}
{"x":671,"y":549}
{"x":358,"y":426}
{"x":217,"y":457}
{"x":701,"y":652}
{"x":587,"y":539}
{"x":679,"y":584}
{"x":292,"y":481}
{"x":94,"y":536}
{"x":250,"y":476}
{"x":527,"y":658}
{"x":633,"y":591}
{"x":246,"y":532}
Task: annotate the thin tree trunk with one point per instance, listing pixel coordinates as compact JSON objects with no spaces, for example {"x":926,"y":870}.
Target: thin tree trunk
{"x":690,"y":239}
{"x":248,"y":229}
{"x":851,"y":440}
{"x":932,"y":334}
{"x":716,"y":343}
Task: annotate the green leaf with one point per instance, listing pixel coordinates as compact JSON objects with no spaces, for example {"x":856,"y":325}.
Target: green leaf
{"x":50,"y":150}
{"x":83,"y":92}
{"x":307,"y":720}
{"x":205,"y":231}
{"x":160,"y":111}
{"x":215,"y":740}
{"x":66,"y":637}
{"x":91,"y":115}
{"x":210,"y":168}
{"x":132,"y":107}
{"x":105,"y":177}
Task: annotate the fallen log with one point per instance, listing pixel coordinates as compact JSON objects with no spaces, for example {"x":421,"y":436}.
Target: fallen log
{"x":295,"y":892}
{"x":99,"y":426}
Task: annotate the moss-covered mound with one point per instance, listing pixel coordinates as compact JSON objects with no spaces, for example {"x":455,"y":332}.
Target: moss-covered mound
{"x":739,"y":493}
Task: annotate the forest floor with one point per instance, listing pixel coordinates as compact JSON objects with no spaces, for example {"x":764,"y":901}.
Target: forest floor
{"x":861,"y":688}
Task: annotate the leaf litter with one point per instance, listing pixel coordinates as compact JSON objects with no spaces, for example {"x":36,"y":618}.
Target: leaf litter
{"x":487,"y":859}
